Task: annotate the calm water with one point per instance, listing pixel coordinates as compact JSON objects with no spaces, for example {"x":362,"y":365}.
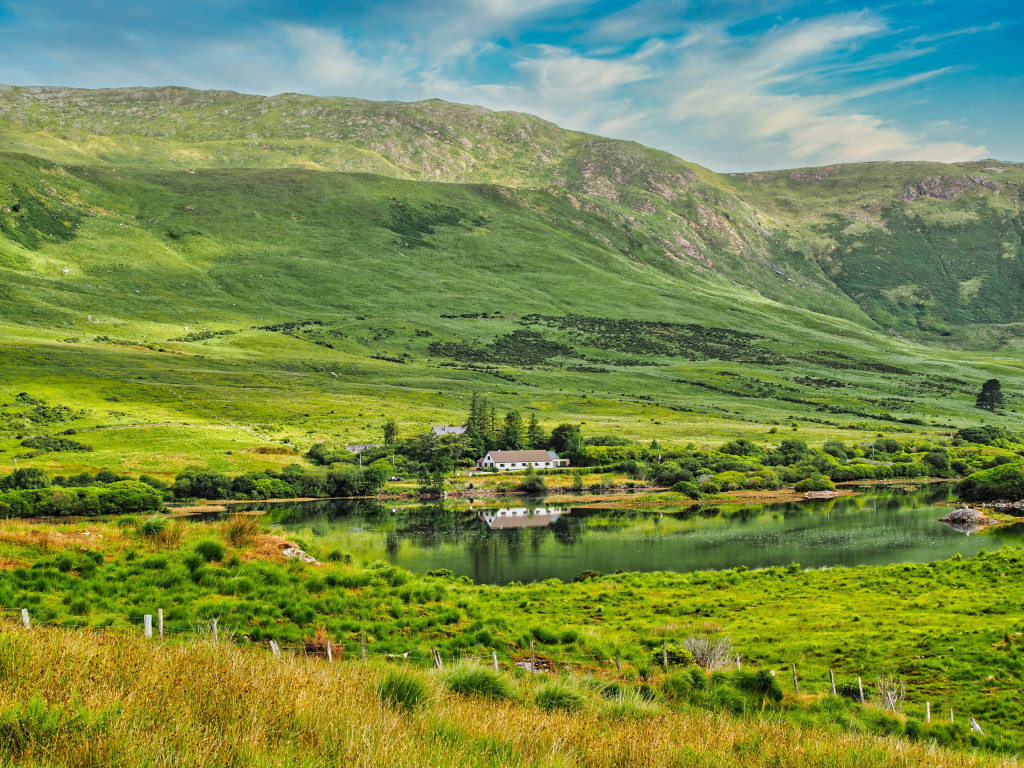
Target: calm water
{"x":495,"y":543}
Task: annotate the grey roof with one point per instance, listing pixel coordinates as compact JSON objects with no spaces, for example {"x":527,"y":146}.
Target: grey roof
{"x":520,"y":456}
{"x":446,"y":430}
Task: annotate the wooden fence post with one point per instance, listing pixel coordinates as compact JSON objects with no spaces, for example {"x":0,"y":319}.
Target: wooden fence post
{"x":618,"y":666}
{"x":533,"y":659}
{"x":213,"y":623}
{"x":832,"y":678}
{"x":24,"y":618}
{"x":330,"y":656}
{"x":494,"y":657}
{"x":274,"y":647}
{"x":739,"y":667}
{"x":861,"y":686}
{"x":147,"y":625}
{"x":160,"y":622}
{"x":362,"y":647}
{"x":928,"y":712}
{"x":437,"y":658}
{"x":664,"y":653}
{"x":796,"y":683}
{"x":951,"y":714}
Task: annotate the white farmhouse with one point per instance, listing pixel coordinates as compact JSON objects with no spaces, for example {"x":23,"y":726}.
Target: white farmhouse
{"x":511,"y":461}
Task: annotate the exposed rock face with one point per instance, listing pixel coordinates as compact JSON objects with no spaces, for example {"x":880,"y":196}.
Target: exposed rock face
{"x":946,"y":187}
{"x":812,"y":174}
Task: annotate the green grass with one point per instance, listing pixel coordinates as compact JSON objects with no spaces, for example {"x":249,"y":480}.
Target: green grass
{"x":956,"y":645}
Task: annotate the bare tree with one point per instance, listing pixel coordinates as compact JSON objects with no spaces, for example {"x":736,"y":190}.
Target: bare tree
{"x":710,"y":652}
{"x":891,"y":692}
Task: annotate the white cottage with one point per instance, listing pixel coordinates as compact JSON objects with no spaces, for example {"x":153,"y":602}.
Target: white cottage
{"x":511,"y":461}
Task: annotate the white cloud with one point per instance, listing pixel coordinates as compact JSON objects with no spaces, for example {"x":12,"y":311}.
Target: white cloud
{"x":755,"y":89}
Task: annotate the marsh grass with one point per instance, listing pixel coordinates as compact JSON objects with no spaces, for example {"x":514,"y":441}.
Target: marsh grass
{"x":404,"y":688}
{"x":240,"y":530}
{"x":118,"y":699}
{"x":560,"y":694}
{"x":469,"y":678}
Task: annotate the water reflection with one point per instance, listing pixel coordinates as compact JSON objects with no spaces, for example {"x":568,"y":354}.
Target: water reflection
{"x":521,"y":517}
{"x":501,"y":542}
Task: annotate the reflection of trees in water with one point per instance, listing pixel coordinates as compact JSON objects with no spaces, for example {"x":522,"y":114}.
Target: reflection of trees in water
{"x":434,"y":526}
{"x":566,"y":530}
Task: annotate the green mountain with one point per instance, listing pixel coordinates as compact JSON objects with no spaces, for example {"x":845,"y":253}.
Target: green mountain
{"x":305,"y":265}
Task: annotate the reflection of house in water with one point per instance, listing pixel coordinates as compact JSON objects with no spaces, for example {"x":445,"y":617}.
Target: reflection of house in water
{"x":521,"y":517}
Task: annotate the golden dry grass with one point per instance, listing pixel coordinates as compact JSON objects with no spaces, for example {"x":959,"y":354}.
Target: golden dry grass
{"x":197,"y":704}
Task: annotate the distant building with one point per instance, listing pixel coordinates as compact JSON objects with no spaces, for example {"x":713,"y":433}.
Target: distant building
{"x":510,"y":461}
{"x":440,"y":431}
{"x":360,"y":447}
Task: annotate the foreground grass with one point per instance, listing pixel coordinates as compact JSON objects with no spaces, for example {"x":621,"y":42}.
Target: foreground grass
{"x":951,"y":629}
{"x":120,"y":700}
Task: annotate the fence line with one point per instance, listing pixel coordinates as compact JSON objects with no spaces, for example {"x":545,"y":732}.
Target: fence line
{"x":435,"y":659}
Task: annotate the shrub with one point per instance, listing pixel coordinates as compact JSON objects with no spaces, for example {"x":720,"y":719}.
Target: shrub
{"x":403,"y":688}
{"x":687,"y":489}
{"x":210,"y":550}
{"x":710,"y":653}
{"x":533,"y":483}
{"x":1005,"y":482}
{"x":559,"y":695}
{"x":814,"y":483}
{"x":154,"y":525}
{"x":25,"y":479}
{"x":471,"y":679}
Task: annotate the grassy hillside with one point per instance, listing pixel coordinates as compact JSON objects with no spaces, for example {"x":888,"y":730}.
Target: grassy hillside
{"x":182,"y":264}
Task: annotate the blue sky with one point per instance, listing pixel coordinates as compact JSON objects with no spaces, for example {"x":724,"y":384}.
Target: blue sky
{"x":739,"y":85}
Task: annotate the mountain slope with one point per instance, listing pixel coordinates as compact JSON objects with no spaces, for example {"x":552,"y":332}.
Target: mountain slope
{"x":388,"y":258}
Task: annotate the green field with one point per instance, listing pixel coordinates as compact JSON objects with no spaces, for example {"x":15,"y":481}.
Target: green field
{"x":163,"y":267}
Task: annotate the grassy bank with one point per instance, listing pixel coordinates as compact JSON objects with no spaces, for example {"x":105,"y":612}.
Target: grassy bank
{"x":122,"y":700}
{"x":950,"y":629}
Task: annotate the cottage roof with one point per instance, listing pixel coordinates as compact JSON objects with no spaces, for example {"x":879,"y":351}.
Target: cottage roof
{"x":446,"y":430}
{"x":506,"y":457}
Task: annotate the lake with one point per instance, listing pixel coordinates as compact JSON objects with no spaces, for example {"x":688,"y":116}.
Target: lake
{"x":496,"y":541}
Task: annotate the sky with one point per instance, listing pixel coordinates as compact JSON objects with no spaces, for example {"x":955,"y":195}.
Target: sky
{"x":734,"y":85}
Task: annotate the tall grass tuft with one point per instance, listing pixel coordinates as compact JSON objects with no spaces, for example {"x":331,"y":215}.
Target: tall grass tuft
{"x":467,"y":677}
{"x":559,"y":694}
{"x":404,"y":688}
{"x":154,"y":525}
{"x":630,"y":704}
{"x":211,"y":550}
{"x":240,"y":530}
